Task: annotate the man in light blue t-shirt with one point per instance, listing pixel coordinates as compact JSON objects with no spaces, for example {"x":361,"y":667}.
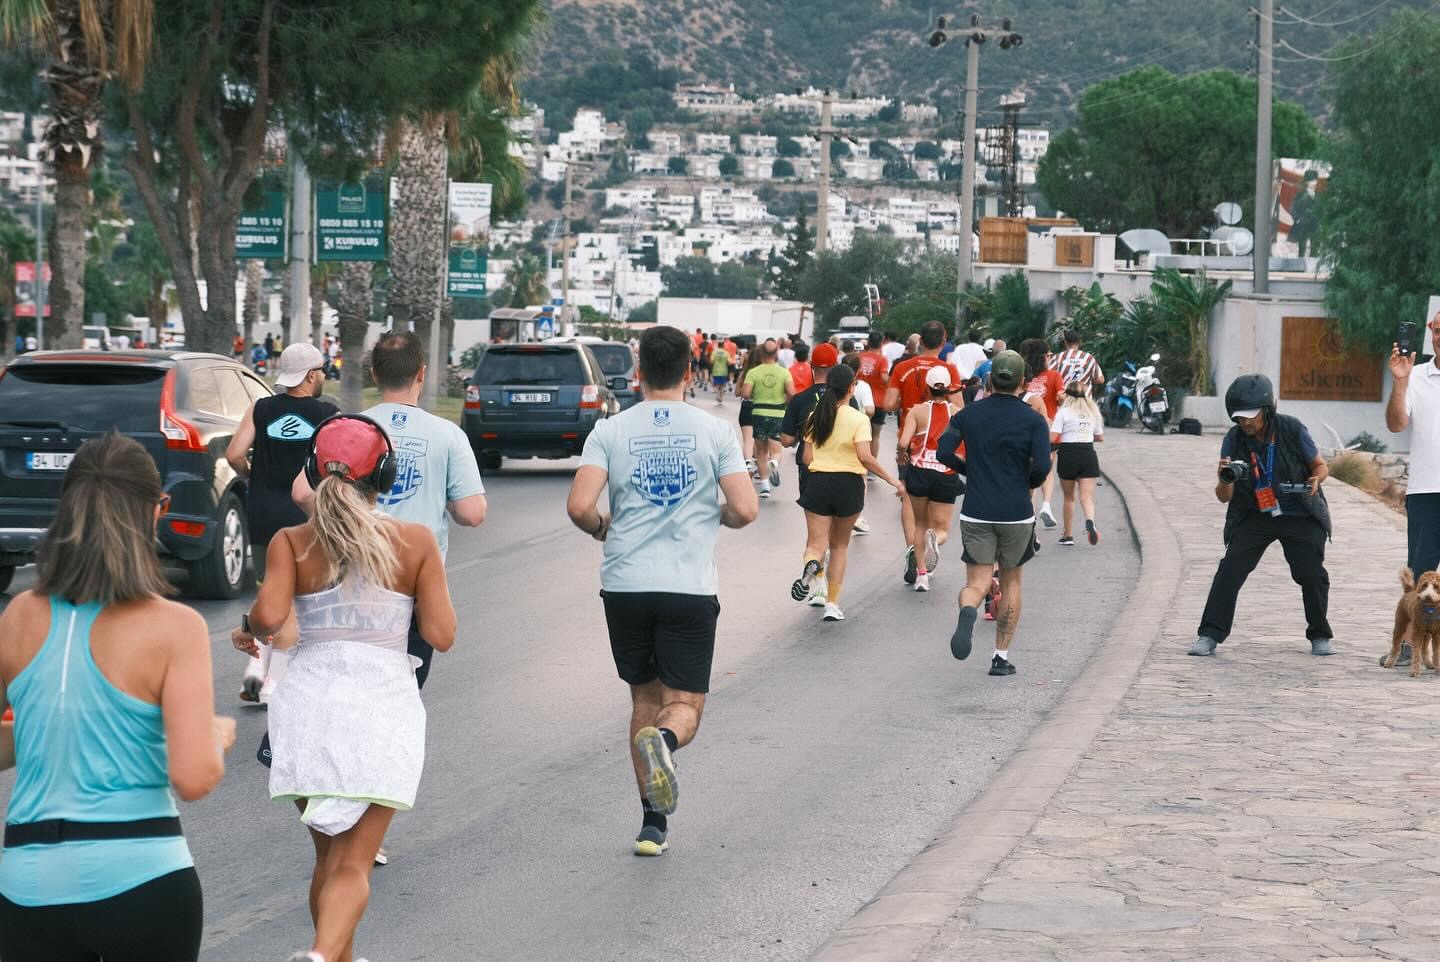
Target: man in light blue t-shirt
{"x":665,"y":465}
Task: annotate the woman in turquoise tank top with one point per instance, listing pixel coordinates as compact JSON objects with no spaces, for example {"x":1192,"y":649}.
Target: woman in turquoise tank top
{"x":114,"y":717}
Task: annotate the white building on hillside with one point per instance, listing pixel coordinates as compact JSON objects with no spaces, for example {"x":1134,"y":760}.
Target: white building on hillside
{"x":711,"y":99}
{"x":713,"y":143}
{"x":758,"y":145}
{"x":677,"y":209}
{"x":630,"y":198}
{"x":757,"y":168}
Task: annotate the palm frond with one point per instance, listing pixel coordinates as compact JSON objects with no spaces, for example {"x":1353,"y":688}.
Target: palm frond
{"x":20,"y":19}
{"x":133,"y":25}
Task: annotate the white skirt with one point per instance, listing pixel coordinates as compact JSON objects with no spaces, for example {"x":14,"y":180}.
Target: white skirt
{"x":347,"y":730}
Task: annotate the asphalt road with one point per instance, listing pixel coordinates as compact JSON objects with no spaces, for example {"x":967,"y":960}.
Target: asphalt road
{"x":829,"y":755}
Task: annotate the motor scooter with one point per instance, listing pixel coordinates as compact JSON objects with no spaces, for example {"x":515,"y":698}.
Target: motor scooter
{"x":1152,"y":400}
{"x":1118,"y":405}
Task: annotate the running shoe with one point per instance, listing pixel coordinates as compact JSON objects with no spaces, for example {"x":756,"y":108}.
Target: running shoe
{"x":833,"y":612}
{"x":1066,"y":541}
{"x":800,"y":589}
{"x":819,"y":593}
{"x":306,"y":957}
{"x":651,"y":841}
{"x":267,"y":691}
{"x":764,"y":489}
{"x":1047,"y":517}
{"x":662,"y":788}
{"x":1091,"y":533}
{"x":753,"y":468}
{"x":775,"y":472}
{"x":381,"y":856}
{"x":932,"y":550}
{"x":922,"y":582}
{"x":911,"y":565}
{"x":862,"y":526}
{"x":964,"y":629}
{"x":1001,"y":666}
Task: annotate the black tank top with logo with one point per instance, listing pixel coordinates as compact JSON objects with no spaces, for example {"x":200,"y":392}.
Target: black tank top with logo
{"x":284,"y":426}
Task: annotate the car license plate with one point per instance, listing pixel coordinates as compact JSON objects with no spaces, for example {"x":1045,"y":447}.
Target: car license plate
{"x":540,"y":398}
{"x":48,"y":460}
{"x":1159,"y":406}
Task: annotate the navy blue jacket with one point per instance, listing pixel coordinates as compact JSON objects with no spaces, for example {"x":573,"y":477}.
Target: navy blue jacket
{"x":1007,"y":455}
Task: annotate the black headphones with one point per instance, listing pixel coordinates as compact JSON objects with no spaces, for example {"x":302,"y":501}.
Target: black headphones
{"x":381,"y":478}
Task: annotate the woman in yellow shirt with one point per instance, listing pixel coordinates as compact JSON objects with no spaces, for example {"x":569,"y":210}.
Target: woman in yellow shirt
{"x":837,"y":454}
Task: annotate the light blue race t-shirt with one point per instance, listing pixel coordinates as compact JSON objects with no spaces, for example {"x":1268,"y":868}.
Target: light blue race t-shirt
{"x":665,"y":460}
{"x":437,"y":466}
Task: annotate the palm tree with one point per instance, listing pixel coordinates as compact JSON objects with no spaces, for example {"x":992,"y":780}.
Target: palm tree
{"x":85,"y":41}
{"x":355,"y":305}
{"x":1185,"y":304}
{"x":527,"y":282}
{"x":16,"y":244}
{"x":254,"y":294}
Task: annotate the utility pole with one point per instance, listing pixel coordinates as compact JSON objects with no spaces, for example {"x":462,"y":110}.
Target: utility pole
{"x":299,"y":258}
{"x":975,"y":37}
{"x":40,"y":290}
{"x":565,"y":253}
{"x":1262,"y":147}
{"x":822,"y":211}
{"x":437,"y":375}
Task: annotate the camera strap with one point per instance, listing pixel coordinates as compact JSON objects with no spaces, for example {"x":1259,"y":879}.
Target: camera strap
{"x":1265,"y":498}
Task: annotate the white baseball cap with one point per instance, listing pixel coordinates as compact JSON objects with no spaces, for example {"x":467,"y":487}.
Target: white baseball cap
{"x":1246,"y":414}
{"x":937,"y":376}
{"x":296,"y":361}
{"x":989,"y":345}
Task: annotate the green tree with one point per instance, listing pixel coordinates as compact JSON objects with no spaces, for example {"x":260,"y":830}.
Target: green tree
{"x":889,"y":114}
{"x":1017,"y":317}
{"x":527,"y":282}
{"x":1150,"y":149}
{"x":736,"y":280}
{"x":1379,"y":220}
{"x":678,"y":165}
{"x":788,"y":147}
{"x":791,"y":264}
{"x":85,"y":42}
{"x":619,"y":170}
{"x":782,"y":168}
{"x":729,"y":165}
{"x":839,"y":149}
{"x":1184,"y":304}
{"x":646,"y":313}
{"x":16,"y":244}
{"x":927,"y":150}
{"x":690,"y":277}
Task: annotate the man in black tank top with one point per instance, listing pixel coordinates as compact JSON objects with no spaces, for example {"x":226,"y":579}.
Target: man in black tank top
{"x":269,"y":449}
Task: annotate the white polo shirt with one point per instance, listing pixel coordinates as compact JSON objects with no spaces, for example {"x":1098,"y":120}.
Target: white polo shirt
{"x":1422,"y":403}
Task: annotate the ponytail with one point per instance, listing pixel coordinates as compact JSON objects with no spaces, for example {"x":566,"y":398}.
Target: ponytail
{"x":356,"y":539}
{"x":1083,"y":401}
{"x":822,"y":420}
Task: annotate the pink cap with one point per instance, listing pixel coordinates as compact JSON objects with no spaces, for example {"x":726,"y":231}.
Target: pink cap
{"x":357,"y":444}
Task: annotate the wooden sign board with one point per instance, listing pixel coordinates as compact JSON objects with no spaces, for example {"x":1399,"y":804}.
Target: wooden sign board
{"x":1315,"y":364}
{"x":1074,"y":250}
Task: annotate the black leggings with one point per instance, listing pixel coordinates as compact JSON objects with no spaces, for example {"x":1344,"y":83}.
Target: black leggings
{"x":159,"y":921}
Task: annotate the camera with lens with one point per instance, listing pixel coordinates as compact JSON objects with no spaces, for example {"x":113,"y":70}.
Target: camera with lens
{"x":1234,"y":472}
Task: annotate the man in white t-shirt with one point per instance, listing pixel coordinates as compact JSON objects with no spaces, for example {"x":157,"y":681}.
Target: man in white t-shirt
{"x":787,"y":353}
{"x":968,"y":356}
{"x":892,"y":349}
{"x":1415,"y":404}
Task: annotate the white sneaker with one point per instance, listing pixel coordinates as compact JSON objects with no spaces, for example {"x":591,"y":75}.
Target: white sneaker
{"x":764,"y":489}
{"x":932,"y":550}
{"x":862,"y":526}
{"x":775,"y":472}
{"x":833,"y":612}
{"x":1047,"y":517}
{"x":254,"y":678}
{"x":818,"y":594}
{"x":922,"y":582}
{"x":753,"y":468}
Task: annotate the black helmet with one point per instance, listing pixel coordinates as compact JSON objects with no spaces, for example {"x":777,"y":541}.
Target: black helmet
{"x":1250,"y":392}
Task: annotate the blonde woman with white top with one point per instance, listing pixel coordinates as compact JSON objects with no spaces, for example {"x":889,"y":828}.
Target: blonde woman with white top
{"x":1076,"y":430}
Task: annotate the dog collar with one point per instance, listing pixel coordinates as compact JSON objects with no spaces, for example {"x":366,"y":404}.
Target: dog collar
{"x":1431,"y":613}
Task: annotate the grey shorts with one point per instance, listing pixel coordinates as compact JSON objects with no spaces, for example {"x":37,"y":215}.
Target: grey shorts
{"x":1008,"y":545}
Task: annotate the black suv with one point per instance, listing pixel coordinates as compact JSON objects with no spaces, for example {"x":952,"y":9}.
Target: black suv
{"x":183,"y":406}
{"x":535,"y":401}
{"x":617,"y":363}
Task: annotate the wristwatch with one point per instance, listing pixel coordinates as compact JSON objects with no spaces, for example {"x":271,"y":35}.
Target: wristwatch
{"x":245,"y":623}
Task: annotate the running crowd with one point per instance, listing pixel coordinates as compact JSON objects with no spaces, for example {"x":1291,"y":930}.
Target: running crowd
{"x":350,"y":515}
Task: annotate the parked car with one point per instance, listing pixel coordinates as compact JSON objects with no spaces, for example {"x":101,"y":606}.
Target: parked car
{"x":618,"y":363}
{"x":535,"y":401}
{"x":184,"y":407}
{"x":96,"y":338}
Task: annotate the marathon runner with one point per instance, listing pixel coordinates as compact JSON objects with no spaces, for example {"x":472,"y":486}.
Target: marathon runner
{"x":665,"y":465}
{"x":932,"y":487}
{"x":721,"y":361}
{"x":875,"y":371}
{"x":906,"y":389}
{"x":1046,"y":384}
{"x":769,"y":387}
{"x":747,"y":416}
{"x":269,"y":448}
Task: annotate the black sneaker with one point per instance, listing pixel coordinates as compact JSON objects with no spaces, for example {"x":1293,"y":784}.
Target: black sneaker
{"x":911,"y":566}
{"x":1066,"y":541}
{"x":964,"y":629}
{"x":800,"y":587}
{"x":1001,"y":666}
{"x":1091,"y":533}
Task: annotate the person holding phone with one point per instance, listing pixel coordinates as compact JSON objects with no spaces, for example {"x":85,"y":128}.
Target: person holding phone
{"x":1414,"y":403}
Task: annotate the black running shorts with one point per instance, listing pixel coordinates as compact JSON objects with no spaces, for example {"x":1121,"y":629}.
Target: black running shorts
{"x":159,"y":921}
{"x":933,"y":485}
{"x":1076,"y":461}
{"x":834,"y":494}
{"x":656,"y":634}
{"x":747,"y":413}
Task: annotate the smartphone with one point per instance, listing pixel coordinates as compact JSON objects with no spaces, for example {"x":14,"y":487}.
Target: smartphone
{"x":1405,"y":339}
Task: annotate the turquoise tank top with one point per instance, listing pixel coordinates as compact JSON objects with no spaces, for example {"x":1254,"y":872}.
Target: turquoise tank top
{"x":87,"y":752}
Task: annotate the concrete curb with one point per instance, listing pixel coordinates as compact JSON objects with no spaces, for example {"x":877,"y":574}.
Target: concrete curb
{"x":901,"y":920}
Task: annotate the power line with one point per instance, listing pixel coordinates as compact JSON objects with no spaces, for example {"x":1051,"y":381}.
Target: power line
{"x":1307,"y":21}
{"x":1326,"y":58}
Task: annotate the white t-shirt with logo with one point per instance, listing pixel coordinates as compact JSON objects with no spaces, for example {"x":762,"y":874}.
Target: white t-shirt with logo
{"x":1076,"y":426}
{"x":665,"y":460}
{"x":437,"y":466}
{"x":893,"y":351}
{"x":1422,"y":403}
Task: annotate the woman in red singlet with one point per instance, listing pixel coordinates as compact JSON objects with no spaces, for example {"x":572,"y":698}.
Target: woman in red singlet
{"x":931,"y":487}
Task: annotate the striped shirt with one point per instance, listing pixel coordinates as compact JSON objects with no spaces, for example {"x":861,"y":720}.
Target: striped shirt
{"x":1076,"y":365}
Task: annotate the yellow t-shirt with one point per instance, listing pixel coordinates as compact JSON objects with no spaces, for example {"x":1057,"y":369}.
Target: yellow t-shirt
{"x":838,"y":452}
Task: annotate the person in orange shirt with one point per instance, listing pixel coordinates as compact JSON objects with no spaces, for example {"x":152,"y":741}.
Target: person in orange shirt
{"x":906,"y":389}
{"x":875,"y":371}
{"x":1044,"y":385}
{"x":801,"y":372}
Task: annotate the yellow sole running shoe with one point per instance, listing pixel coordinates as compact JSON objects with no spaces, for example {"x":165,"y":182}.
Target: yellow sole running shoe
{"x":662,"y":787}
{"x":650,"y":842}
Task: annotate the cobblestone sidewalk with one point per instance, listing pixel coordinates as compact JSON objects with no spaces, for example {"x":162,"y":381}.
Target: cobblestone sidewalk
{"x":1259,"y":805}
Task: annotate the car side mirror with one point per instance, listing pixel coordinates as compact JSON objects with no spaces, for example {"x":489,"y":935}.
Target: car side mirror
{"x":619,"y":383}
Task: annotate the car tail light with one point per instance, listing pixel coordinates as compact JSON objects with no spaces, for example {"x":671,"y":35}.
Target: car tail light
{"x":634,"y":384}
{"x":180,"y":434}
{"x":472,"y":398}
{"x":590,"y":396}
{"x":193,"y":529}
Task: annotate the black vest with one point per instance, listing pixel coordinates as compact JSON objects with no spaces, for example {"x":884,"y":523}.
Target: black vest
{"x":1290,"y":468}
{"x":284,"y":426}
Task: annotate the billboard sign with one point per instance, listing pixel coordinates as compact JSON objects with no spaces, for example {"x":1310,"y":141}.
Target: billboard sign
{"x":25,"y":293}
{"x":260,"y":232}
{"x":468,"y":231}
{"x":350,"y":222}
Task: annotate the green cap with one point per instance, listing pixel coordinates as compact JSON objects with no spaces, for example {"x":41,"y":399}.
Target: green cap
{"x":1007,"y":370}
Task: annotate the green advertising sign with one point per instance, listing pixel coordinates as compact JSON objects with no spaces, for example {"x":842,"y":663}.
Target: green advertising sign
{"x":260,"y":233}
{"x":467,"y":271}
{"x":350,"y":222}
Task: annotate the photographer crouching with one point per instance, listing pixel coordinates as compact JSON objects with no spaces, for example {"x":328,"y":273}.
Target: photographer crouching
{"x":1269,"y":476}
